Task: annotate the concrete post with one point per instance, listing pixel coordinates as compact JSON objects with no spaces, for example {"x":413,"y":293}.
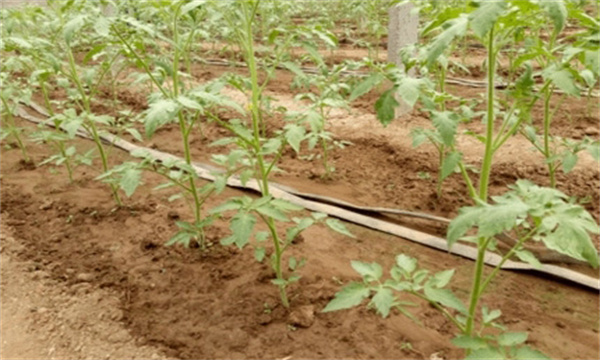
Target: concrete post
{"x":403,"y":30}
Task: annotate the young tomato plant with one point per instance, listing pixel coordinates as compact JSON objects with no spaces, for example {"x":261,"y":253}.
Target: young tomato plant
{"x":331,"y":93}
{"x":176,"y":101}
{"x":10,"y":96}
{"x":533,"y":213}
{"x":257,"y":156}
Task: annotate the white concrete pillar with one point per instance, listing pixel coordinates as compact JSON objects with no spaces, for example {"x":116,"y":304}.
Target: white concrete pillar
{"x":403,"y":30}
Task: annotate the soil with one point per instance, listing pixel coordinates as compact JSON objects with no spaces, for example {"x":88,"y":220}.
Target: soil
{"x":82,"y":278}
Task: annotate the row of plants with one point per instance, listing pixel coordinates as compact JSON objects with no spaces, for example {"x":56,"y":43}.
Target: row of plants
{"x":528,"y":212}
{"x":79,"y":49}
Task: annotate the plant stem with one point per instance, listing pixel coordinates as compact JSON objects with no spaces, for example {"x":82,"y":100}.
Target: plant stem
{"x":14,"y":131}
{"x":264,"y":171}
{"x":486,"y":166}
{"x":547,"y":150}
{"x":92,"y":127}
{"x":63,"y":153}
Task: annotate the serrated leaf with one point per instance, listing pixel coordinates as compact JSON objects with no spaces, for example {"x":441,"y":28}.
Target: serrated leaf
{"x":569,"y":160}
{"x":557,"y":11}
{"x":242,"y":225}
{"x":457,"y":28}
{"x":469,"y":342}
{"x":450,"y":163}
{"x":410,"y":90}
{"x":159,"y":113}
{"x":486,"y":353}
{"x":467,"y":217}
{"x":293,"y":67}
{"x":370,"y":272}
{"x":259,"y":253}
{"x":351,"y":295}
{"x":191,"y":6}
{"x":442,"y":278}
{"x":512,"y":338}
{"x":189,"y":103}
{"x":95,"y":50}
{"x":446,"y":298}
{"x":385,"y":107}
{"x":181,"y":237}
{"x":406,"y":263}
{"x":72,"y":26}
{"x":383,"y":300}
{"x":502,"y":216}
{"x":294,"y":134}
{"x":445,"y":122}
{"x":272,"y":212}
{"x":227,"y":206}
{"x":338,"y":226}
{"x":366,"y":85}
{"x":562,"y":79}
{"x":527,"y":353}
{"x":102,"y":26}
{"x":483,"y":19}
{"x":528,"y":257}
{"x":130,"y":180}
{"x":285,"y":205}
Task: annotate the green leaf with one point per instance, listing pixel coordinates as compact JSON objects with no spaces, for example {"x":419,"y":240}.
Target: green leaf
{"x":469,"y":342}
{"x":446,"y":298}
{"x":442,"y":278}
{"x":102,"y":26}
{"x":450,"y":163}
{"x":285,"y":205}
{"x":272,"y":212}
{"x":294,"y":134}
{"x":351,"y":295}
{"x":467,"y":217}
{"x":369,"y":272}
{"x":445,"y":122}
{"x":189,"y":103}
{"x":486,"y":353}
{"x":561,"y":78}
{"x":233,"y":204}
{"x":569,"y":160}
{"x":406,"y":263}
{"x":259,"y":253}
{"x":191,"y":6}
{"x":181,"y":237}
{"x":338,"y":226}
{"x":458,"y":27}
{"x":159,"y":113}
{"x":242,"y":225}
{"x":527,"y":353}
{"x":383,"y":300}
{"x":130,"y":180}
{"x":502,"y":216}
{"x":483,"y":19}
{"x":293,"y":67}
{"x":95,"y":50}
{"x":557,"y":11}
{"x":366,"y":85}
{"x":385,"y":107}
{"x":512,"y":338}
{"x":528,"y":257}
{"x":73,"y":26}
{"x":567,"y":232}
{"x":410,"y":89}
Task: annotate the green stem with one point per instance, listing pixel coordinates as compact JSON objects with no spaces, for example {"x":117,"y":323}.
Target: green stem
{"x":63,"y":153}
{"x":46,"y":97}
{"x":486,"y":166}
{"x":441,"y":309}
{"x":476,"y":286}
{"x":248,"y":44}
{"x":14,"y":131}
{"x":547,"y":150}
{"x":92,"y":127}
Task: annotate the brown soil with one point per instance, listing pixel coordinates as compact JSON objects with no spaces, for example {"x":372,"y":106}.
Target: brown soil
{"x":110,"y":263}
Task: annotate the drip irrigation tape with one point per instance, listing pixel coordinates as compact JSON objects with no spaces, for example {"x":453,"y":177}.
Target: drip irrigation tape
{"x":312,"y":203}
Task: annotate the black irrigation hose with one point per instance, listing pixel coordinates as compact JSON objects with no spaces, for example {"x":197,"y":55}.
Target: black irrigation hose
{"x":278,"y":191}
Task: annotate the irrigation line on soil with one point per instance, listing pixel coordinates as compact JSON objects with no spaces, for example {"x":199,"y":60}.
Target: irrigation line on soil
{"x":283,"y":192}
{"x":449,"y":80}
